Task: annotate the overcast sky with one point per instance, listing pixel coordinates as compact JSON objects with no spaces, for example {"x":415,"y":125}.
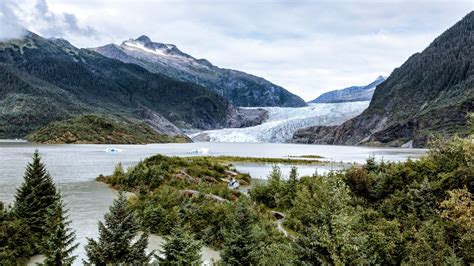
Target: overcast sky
{"x":308,"y":47}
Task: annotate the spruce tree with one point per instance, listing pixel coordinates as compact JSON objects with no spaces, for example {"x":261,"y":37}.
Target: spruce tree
{"x":115,"y":244}
{"x":60,"y":241}
{"x":181,"y":248}
{"x":286,"y":199}
{"x":33,"y":199}
{"x":240,"y":239}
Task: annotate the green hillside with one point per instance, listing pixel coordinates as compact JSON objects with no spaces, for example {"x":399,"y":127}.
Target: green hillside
{"x":96,"y":129}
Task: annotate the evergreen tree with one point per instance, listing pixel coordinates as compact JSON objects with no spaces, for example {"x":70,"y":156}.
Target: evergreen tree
{"x":33,"y":199}
{"x":287,"y":197}
{"x":371,"y":164}
{"x":60,"y":242}
{"x":240,"y":240}
{"x":115,"y":244}
{"x":181,"y":248}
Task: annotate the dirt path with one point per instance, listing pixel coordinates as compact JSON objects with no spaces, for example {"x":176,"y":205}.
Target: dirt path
{"x":280,"y":218}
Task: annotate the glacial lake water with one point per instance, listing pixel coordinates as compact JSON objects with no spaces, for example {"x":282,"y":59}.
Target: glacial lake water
{"x":75,"y":167}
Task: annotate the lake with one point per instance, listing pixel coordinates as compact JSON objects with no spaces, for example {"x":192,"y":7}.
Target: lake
{"x":75,"y":167}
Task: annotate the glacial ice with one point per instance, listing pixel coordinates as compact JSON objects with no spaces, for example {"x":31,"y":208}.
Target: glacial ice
{"x":283,"y":122}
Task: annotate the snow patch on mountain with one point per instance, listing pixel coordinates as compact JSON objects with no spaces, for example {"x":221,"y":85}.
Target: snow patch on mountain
{"x":141,"y":46}
{"x":283,"y":122}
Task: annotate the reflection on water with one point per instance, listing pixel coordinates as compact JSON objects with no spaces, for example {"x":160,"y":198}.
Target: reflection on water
{"x":74,"y":168}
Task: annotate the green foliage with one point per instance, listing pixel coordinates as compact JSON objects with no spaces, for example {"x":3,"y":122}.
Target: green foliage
{"x":413,"y":212}
{"x":98,"y":129}
{"x":181,"y":248}
{"x":116,"y":238}
{"x":15,"y":239}
{"x":269,"y":193}
{"x":430,"y":245}
{"x":198,"y":173}
{"x":458,"y":212}
{"x":323,"y":212}
{"x":194,"y":192}
{"x":37,"y":223}
{"x":240,"y":242}
{"x":60,"y":241}
{"x":118,"y":170}
{"x":33,"y":198}
{"x":277,"y":192}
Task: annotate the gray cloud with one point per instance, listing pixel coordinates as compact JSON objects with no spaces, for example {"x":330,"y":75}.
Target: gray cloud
{"x":58,"y":24}
{"x":16,"y":17}
{"x":71,"y":21}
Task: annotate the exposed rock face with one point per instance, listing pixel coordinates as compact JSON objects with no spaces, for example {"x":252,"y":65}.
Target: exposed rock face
{"x":350,"y":94}
{"x":240,"y":88}
{"x":315,"y":135}
{"x":248,"y":117}
{"x":430,"y":94}
{"x":159,"y":123}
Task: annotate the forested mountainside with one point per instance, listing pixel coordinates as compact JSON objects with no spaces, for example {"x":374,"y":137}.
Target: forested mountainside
{"x":430,"y":94}
{"x":45,"y":80}
{"x":350,"y":94}
{"x":240,"y":88}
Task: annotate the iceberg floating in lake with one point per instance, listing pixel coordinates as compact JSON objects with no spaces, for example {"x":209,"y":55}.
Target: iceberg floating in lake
{"x":113,"y":150}
{"x":202,"y":151}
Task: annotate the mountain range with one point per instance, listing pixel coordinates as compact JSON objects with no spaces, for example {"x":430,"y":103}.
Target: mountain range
{"x":46,"y":80}
{"x":350,"y":94}
{"x":430,"y":94}
{"x":240,"y":88}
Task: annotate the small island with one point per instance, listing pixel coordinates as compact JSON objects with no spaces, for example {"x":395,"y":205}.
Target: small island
{"x":95,"y":129}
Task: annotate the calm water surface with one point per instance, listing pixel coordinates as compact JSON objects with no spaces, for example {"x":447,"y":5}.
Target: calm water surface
{"x":74,"y":168}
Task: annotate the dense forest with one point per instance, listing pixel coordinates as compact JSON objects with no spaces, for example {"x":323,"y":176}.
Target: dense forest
{"x":413,"y":212}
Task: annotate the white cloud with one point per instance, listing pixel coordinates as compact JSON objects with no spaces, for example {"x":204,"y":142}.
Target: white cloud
{"x":308,"y":47}
{"x":10,"y":27}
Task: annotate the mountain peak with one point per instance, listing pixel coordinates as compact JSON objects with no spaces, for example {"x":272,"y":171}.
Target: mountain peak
{"x":143,"y":38}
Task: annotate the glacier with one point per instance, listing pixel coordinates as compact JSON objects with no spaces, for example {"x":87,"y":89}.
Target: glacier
{"x":283,"y":122}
